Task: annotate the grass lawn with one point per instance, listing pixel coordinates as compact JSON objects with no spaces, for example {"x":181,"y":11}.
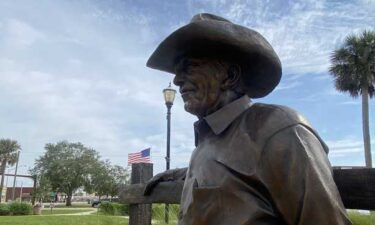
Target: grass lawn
{"x":65,"y":211}
{"x":360,"y":219}
{"x":63,"y":220}
{"x":74,"y":205}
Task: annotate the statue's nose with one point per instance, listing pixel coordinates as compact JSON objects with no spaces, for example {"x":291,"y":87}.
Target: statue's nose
{"x":178,"y":79}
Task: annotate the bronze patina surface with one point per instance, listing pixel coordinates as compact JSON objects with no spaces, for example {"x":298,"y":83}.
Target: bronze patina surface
{"x":254,"y":164}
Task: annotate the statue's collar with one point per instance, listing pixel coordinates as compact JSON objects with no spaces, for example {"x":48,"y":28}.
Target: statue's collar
{"x":222,"y":118}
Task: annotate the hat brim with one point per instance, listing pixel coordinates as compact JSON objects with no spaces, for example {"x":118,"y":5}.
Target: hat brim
{"x":261,"y":67}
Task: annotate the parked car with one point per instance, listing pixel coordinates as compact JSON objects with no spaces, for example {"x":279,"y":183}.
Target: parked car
{"x":96,"y":203}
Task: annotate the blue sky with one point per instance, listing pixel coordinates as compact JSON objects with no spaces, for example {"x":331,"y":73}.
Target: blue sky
{"x":75,"y":70}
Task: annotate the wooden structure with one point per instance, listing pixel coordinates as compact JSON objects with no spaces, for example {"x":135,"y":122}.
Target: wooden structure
{"x":356,"y":187}
{"x":139,"y":212}
{"x":22,"y":193}
{"x":13,"y":188}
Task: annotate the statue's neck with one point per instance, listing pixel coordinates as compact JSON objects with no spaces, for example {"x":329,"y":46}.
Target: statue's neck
{"x":224,"y":99}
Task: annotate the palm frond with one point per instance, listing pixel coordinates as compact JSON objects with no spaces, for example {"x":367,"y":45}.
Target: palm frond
{"x":8,"y":150}
{"x":353,"y":64}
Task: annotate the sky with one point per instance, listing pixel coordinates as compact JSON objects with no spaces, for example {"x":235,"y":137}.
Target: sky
{"x":75,"y":70}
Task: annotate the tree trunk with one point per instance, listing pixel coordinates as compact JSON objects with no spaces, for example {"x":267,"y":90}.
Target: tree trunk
{"x":3,"y":166}
{"x":365,"y":126}
{"x":69,"y":199}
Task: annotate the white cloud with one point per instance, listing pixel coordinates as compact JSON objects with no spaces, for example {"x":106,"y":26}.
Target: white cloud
{"x":348,"y":151}
{"x":303,"y":33}
{"x":87,"y":83}
{"x":288,"y":85}
{"x":346,"y":145}
{"x":80,"y":74}
{"x":21,"y":33}
{"x":350,"y":103}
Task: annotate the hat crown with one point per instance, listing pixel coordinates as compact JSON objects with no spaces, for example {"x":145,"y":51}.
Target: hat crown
{"x":215,"y":37}
{"x":207,"y":16}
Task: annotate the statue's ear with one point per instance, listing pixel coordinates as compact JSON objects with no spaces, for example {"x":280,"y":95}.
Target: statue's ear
{"x":233,"y":77}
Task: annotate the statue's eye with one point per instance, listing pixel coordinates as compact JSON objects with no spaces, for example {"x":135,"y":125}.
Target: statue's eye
{"x":189,"y":65}
{"x":186,"y":66}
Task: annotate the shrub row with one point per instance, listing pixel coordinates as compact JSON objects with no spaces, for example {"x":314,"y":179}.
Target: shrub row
{"x":4,"y":209}
{"x":15,"y":208}
{"x":110,"y":208}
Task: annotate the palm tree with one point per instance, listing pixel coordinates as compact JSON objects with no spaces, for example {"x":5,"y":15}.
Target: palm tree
{"x":353,"y":68}
{"x":8,"y":155}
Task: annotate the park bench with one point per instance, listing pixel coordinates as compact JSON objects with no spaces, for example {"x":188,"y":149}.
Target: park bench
{"x":355,"y":184}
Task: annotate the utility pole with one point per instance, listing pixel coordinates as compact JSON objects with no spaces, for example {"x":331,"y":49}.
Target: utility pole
{"x":21,"y":191}
{"x":6,"y":182}
{"x":15,"y":176}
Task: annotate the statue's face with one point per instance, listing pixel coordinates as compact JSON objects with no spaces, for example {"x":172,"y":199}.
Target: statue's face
{"x":200,"y":84}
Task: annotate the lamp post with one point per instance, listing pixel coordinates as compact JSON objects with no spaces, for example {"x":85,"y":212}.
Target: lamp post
{"x":169,"y":94}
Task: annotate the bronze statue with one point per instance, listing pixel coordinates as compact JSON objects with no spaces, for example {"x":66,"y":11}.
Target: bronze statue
{"x":253,"y":164}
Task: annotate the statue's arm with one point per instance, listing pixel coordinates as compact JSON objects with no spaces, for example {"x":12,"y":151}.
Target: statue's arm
{"x":295,"y":169}
{"x":168,"y":175}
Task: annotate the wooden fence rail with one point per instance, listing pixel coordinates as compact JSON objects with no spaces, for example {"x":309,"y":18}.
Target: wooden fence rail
{"x":356,"y":187}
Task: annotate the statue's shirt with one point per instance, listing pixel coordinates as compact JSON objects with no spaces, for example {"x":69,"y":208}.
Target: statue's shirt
{"x":259,"y":164}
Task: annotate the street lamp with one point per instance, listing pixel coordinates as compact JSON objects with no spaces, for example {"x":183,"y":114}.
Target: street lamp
{"x":169,"y":94}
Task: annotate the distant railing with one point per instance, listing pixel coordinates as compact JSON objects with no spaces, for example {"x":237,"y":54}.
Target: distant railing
{"x":355,"y":184}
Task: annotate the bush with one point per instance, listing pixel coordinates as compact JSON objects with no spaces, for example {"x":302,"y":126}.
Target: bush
{"x":107,"y":208}
{"x":4,"y":210}
{"x":20,"y":208}
{"x":123,"y":209}
{"x":110,"y":208}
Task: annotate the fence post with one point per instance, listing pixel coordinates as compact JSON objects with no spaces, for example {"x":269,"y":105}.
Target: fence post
{"x":140,"y":214}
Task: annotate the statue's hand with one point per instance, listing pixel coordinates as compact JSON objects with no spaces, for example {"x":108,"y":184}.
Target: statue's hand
{"x":168,"y":175}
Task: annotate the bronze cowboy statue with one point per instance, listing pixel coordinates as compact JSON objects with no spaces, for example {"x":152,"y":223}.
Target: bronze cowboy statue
{"x":254,"y":164}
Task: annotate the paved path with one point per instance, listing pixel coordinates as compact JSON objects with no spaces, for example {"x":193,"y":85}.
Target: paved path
{"x":92,"y":211}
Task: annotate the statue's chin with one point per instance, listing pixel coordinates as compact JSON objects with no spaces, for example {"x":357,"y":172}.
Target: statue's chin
{"x":190,"y":108}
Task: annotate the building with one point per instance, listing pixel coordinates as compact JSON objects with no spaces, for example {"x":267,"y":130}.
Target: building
{"x":20,"y":193}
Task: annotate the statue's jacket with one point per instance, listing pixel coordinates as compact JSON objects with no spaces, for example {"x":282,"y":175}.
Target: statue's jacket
{"x":259,"y":164}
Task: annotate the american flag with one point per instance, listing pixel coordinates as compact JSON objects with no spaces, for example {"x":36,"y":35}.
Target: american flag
{"x":139,"y":157}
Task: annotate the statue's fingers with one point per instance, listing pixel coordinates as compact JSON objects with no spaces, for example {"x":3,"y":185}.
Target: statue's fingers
{"x":149,"y":186}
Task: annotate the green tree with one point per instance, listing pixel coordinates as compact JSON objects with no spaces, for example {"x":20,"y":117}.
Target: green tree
{"x":99,"y":182}
{"x":106,"y":179}
{"x":8,"y":155}
{"x":43,"y":186}
{"x":353,"y":68}
{"x":120,"y":177}
{"x":66,"y":166}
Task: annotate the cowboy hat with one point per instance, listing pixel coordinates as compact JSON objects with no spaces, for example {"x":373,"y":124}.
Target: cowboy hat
{"x":208,"y":35}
